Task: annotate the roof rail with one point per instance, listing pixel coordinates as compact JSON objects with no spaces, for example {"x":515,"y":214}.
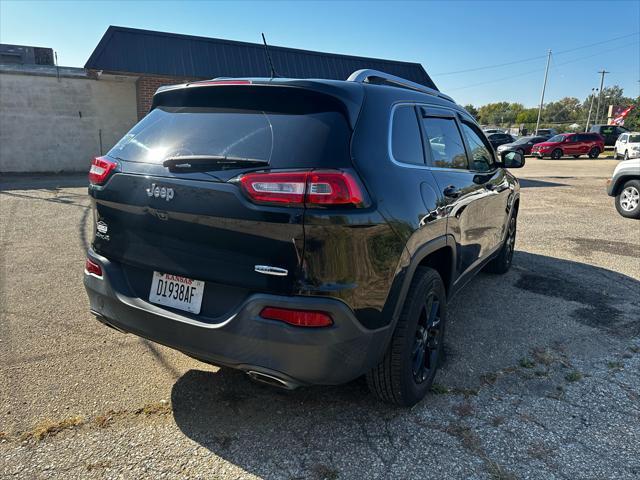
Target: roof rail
{"x":366,"y":75}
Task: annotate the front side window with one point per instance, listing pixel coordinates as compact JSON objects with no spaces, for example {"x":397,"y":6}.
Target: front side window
{"x":406,"y":142}
{"x":481,"y":158}
{"x":447,"y":147}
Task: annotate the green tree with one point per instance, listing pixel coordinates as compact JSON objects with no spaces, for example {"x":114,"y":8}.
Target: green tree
{"x":499,"y":113}
{"x":613,"y":95}
{"x":473,"y":111}
{"x":528,"y":115}
{"x":568,"y":109}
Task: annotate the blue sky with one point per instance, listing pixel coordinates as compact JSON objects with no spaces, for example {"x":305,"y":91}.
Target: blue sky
{"x":443,"y":36}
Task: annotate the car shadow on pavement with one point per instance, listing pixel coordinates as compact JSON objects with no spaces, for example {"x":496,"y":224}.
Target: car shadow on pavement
{"x":526,"y":183}
{"x":574,"y":310}
{"x":43,"y":181}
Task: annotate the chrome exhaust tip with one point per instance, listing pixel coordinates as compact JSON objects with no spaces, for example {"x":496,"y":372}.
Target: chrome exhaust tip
{"x":270,"y":380}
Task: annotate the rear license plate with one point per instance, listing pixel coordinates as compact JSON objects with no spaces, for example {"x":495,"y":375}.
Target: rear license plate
{"x":176,"y":292}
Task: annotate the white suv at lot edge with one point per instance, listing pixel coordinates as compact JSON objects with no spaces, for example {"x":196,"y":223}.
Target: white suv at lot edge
{"x":627,"y":146}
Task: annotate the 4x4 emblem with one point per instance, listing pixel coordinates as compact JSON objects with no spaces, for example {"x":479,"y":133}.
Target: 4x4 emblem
{"x":160,"y":192}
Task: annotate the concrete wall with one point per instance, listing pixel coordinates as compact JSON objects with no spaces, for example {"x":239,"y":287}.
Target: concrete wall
{"x":53,"y":125}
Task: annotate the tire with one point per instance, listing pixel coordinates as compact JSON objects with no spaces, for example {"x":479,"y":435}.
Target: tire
{"x":556,"y":154}
{"x":406,"y":372}
{"x":626,"y":154}
{"x":615,"y":155}
{"x":576,"y":156}
{"x":502,"y":262}
{"x":594,"y":152}
{"x":628,"y":200}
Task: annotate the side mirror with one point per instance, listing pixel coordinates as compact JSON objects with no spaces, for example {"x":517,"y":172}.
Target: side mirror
{"x":513,"y":160}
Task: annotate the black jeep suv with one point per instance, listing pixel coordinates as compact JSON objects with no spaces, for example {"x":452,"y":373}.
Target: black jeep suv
{"x":303,"y":231}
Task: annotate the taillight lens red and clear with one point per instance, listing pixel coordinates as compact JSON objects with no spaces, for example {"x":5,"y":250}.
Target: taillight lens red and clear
{"x":298,"y":318}
{"x":310,"y":188}
{"x":92,"y":268}
{"x":100,"y":169}
{"x":287,"y":188}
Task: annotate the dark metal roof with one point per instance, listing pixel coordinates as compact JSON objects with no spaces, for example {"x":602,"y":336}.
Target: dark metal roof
{"x":144,"y":51}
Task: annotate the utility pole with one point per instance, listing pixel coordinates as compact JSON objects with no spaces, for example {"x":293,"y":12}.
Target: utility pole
{"x":602,"y":72}
{"x":544,"y":87}
{"x":593,"y":97}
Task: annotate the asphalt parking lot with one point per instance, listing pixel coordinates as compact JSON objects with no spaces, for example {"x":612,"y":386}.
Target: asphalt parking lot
{"x":541,"y":380}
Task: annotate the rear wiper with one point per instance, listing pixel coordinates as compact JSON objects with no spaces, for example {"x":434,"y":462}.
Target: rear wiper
{"x":198,"y":162}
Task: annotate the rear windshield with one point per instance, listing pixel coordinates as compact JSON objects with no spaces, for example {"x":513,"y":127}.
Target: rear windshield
{"x":283,"y":139}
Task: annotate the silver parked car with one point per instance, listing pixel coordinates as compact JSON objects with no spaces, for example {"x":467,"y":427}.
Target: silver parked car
{"x":625,"y":186}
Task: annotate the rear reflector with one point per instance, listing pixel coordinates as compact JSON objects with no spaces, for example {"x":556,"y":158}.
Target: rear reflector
{"x":92,"y":268}
{"x":310,"y":188}
{"x":100,"y":169}
{"x":299,"y":318}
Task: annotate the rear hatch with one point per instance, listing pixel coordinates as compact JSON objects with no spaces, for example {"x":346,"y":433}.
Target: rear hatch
{"x":174,"y":203}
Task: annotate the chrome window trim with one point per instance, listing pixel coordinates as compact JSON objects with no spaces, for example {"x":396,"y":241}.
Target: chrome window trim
{"x":458,"y":116}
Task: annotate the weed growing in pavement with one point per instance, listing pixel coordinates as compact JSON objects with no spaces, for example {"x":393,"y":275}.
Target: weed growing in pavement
{"x":439,"y":389}
{"x":573,"y":376}
{"x":526,"y":363}
{"x":323,"y":472}
{"x":50,"y":428}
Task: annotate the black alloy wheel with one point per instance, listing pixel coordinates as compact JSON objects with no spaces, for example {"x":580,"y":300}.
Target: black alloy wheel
{"x":556,"y":154}
{"x":425,"y":354}
{"x":406,"y":371}
{"x":594,"y":152}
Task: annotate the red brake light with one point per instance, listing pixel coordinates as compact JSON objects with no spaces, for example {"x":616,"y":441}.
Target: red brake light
{"x":333,"y":188}
{"x":299,"y":318}
{"x":92,"y":268}
{"x":310,"y":188}
{"x":100,"y":169}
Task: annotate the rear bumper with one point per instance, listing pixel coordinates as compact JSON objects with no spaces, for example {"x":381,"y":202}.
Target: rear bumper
{"x":243,"y":340}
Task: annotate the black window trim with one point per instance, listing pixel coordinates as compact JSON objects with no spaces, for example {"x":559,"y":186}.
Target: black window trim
{"x":459,"y":118}
{"x":495,"y":164}
{"x":449,"y":115}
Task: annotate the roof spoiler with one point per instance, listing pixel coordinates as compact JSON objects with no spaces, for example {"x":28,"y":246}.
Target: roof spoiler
{"x":378,"y":77}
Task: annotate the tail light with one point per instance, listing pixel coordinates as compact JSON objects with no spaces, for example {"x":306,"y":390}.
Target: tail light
{"x":299,"y":318}
{"x":92,"y":268}
{"x":101,"y":168}
{"x":310,"y":188}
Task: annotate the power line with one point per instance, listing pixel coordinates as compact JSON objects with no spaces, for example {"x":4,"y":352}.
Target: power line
{"x":538,"y":70}
{"x":529,"y":59}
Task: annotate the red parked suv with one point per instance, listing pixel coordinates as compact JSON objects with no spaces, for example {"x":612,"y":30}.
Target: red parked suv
{"x":574,"y":144}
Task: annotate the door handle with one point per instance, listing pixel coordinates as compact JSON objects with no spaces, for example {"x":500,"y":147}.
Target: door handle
{"x":451,"y":192}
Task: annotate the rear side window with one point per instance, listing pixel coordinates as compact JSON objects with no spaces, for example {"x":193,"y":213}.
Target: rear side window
{"x":447,"y":147}
{"x":307,"y":134}
{"x":406,"y":143}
